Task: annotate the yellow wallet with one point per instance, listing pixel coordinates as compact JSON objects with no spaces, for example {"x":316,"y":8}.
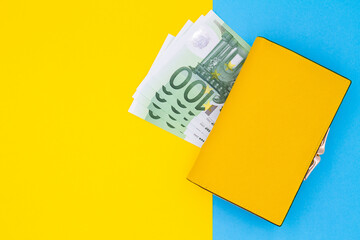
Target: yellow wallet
{"x":269,"y":130}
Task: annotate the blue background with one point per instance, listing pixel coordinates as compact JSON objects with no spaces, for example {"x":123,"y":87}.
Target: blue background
{"x":328,"y":203}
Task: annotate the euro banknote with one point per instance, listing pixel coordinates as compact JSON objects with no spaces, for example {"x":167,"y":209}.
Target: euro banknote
{"x":191,"y":78}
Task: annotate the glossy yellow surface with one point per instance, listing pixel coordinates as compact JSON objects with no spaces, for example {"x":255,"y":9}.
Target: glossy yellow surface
{"x":269,"y":130}
{"x":74,"y":164}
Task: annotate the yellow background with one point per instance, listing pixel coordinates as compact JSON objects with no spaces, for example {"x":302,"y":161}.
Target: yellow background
{"x":74,"y":163}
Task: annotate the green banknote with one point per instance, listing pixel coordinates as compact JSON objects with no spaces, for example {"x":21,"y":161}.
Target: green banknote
{"x":170,"y":118}
{"x":189,"y":133}
{"x":152,"y":117}
{"x":193,"y":79}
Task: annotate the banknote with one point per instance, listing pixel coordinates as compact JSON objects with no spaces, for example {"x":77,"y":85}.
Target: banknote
{"x":164,"y":115}
{"x":145,"y":85}
{"x":157,"y":65}
{"x":142,"y":112}
{"x":138,"y":110}
{"x":192,"y":78}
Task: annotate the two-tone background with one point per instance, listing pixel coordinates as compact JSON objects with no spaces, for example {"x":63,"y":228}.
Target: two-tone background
{"x":74,"y":164}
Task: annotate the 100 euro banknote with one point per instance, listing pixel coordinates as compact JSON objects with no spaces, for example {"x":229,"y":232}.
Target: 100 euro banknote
{"x":186,"y":93}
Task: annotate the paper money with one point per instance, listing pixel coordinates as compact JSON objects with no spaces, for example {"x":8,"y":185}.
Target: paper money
{"x":191,"y":79}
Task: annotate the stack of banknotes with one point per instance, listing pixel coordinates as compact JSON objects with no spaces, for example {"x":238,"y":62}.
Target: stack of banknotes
{"x":190,"y":79}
